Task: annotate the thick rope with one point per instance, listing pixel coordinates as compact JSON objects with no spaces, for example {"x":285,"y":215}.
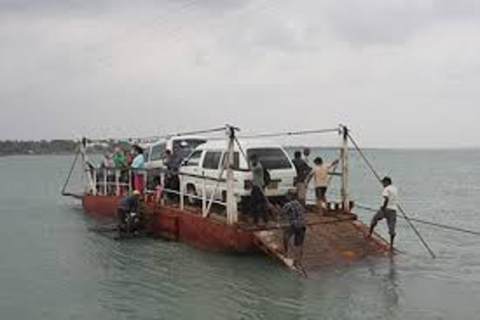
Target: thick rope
{"x":293,"y":133}
{"x":422,"y":240}
{"x":197,"y":132}
{"x":242,"y":152}
{"x":70,"y":173}
{"x":152,"y":138}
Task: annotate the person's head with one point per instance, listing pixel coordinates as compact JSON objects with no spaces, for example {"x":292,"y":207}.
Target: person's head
{"x":386,"y":181}
{"x":157,"y":181}
{"x":297,"y":154}
{"x":306,"y":152}
{"x":290,"y":196}
{"x":254,"y":159}
{"x":318,"y":161}
{"x":168,"y":153}
{"x":136,"y":193}
{"x":118,"y":150}
{"x":137,"y":149}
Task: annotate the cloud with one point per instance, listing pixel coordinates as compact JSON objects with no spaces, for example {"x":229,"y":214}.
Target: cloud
{"x":117,"y":68}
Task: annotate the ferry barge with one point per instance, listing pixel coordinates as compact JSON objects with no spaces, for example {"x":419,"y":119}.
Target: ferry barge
{"x":336,"y":238}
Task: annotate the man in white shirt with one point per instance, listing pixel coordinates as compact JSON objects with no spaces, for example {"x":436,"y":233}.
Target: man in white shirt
{"x":388,"y":210}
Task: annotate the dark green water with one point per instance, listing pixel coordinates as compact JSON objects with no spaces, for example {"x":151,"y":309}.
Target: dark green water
{"x":53,"y":266}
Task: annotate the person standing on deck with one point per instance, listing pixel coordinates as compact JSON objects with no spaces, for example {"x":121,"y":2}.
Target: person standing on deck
{"x":321,"y":181}
{"x":388,"y":210}
{"x":108,"y":162}
{"x":168,"y":160}
{"x":257,"y":197}
{"x":119,"y":158}
{"x":295,"y":212}
{"x":120,"y":161}
{"x":158,"y":190}
{"x":303,"y":170}
{"x":172,"y":180}
{"x":138,"y":164}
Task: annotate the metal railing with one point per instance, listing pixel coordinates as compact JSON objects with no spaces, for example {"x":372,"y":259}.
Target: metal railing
{"x":120,"y":182}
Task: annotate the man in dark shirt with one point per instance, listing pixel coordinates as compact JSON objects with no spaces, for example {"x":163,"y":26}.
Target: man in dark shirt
{"x":168,"y":161}
{"x":258,"y":200}
{"x":295,"y":212}
{"x":127,"y":205}
{"x":303,"y":171}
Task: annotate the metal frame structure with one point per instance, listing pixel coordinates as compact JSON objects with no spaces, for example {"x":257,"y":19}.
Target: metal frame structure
{"x":105,"y":187}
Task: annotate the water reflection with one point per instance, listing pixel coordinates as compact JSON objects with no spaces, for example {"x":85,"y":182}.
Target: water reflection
{"x":391,"y":287}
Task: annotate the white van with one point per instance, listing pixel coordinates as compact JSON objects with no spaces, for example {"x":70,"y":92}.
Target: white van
{"x":207,"y":160}
{"x":181,"y":147}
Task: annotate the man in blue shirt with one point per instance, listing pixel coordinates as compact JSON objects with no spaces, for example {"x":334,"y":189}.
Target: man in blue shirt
{"x":138,"y":165}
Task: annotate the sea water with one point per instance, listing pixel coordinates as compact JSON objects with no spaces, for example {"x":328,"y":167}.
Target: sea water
{"x":55,"y":264}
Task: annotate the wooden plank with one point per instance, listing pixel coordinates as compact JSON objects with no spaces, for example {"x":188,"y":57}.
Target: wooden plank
{"x":267,"y":241}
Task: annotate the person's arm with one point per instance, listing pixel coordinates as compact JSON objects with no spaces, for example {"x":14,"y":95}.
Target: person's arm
{"x":386,"y":199}
{"x":306,"y":169}
{"x":133,"y":165}
{"x":283,"y":212}
{"x":385,"y":203}
{"x":333,"y":164}
{"x":309,"y":177}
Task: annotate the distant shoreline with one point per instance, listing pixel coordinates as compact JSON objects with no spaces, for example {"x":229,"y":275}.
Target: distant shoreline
{"x":43,"y":147}
{"x":66,"y":147}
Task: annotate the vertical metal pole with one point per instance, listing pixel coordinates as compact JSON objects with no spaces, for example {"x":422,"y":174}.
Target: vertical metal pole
{"x":162,"y":177}
{"x":145,"y":182}
{"x":105,"y":175}
{"x":117,"y":182}
{"x":204,"y":194}
{"x":345,"y":173}
{"x":182,"y":198}
{"x":232,"y":214}
{"x":90,"y":185}
{"x":94,"y":189}
{"x":130,"y":188}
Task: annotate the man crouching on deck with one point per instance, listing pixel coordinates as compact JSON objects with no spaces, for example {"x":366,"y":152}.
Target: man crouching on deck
{"x":127,"y":205}
{"x":388,"y":209}
{"x":296,"y":217}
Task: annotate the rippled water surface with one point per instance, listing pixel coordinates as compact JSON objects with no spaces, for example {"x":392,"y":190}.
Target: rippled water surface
{"x":54,"y":265}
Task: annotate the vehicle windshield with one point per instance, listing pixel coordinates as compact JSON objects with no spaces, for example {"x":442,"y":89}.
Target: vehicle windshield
{"x":271,"y":158}
{"x":183,"y":148}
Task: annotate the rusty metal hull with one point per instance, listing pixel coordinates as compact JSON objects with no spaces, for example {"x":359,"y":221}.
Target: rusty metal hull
{"x":181,"y":225}
{"x":330,"y":241}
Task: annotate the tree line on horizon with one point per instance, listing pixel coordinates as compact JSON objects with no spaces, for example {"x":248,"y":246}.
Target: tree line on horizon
{"x":17,"y":147}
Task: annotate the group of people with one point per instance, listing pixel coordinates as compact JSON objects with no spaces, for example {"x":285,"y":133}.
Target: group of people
{"x":259,"y":204}
{"x":295,"y":208}
{"x":320,"y":175}
{"x":122,"y":160}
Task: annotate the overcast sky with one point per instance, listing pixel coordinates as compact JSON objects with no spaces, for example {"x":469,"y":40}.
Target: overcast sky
{"x":399,"y":73}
